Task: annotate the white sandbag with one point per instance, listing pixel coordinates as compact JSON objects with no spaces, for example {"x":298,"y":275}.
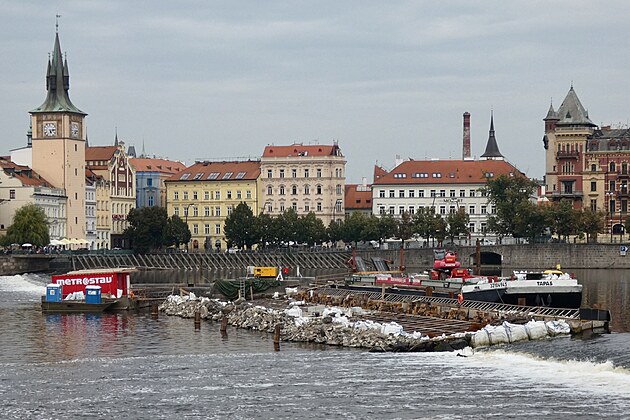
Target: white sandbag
{"x":480,"y":339}
{"x":392,"y":328}
{"x":294,"y":311}
{"x":290,"y":291}
{"x":515,"y":332}
{"x":536,"y":330}
{"x":497,"y":335}
{"x":557,"y":328}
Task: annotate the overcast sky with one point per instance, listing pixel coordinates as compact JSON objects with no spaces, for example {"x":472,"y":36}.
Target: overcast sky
{"x":207,"y":79}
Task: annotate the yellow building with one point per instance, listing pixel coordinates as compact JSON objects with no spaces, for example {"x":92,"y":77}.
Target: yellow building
{"x":204,"y":194}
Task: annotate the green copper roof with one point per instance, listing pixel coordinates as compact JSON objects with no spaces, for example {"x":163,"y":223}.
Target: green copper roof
{"x":57,"y":85}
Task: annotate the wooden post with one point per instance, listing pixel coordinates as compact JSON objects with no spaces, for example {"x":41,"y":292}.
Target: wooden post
{"x":383,"y":292}
{"x":154,"y":311}
{"x":197,"y":320}
{"x":224,"y":323}
{"x":428,"y":291}
{"x":276,"y":338}
{"x":478,"y":257}
{"x":522,"y":301}
{"x":251,"y":292}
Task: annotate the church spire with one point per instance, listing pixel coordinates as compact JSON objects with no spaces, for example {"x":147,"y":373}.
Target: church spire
{"x":492,"y":150}
{"x":116,"y":138}
{"x":57,"y":84}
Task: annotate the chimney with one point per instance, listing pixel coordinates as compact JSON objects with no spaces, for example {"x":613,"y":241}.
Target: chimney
{"x":466,"y":146}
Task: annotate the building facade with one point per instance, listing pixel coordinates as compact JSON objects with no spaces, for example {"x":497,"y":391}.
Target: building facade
{"x":150,"y":177}
{"x":358,"y":198}
{"x":306,"y":179}
{"x":587,"y":164}
{"x":204,"y":194}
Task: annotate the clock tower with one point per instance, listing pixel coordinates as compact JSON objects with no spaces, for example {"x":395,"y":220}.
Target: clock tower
{"x":58,"y":144}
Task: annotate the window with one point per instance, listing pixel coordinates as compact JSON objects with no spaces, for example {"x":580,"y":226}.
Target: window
{"x":229,"y":210}
{"x":493,"y":209}
{"x":213,"y":175}
{"x":198,"y":176}
{"x":471,"y":209}
{"x":175,"y":195}
{"x":381,"y":210}
{"x":471,"y":228}
{"x":612,"y":166}
{"x":412,"y":193}
{"x":462,"y":193}
{"x":281,"y":208}
{"x":229,"y":195}
{"x":176,"y":211}
{"x":206,"y":230}
{"x":195,"y":211}
{"x":307,"y":190}
{"x":319,"y":190}
{"x":451,"y":193}
{"x":206,"y":211}
{"x":269,"y":173}
{"x":185,"y":195}
{"x":319,"y":173}
{"x":391,"y":210}
{"x":338,"y":189}
{"x":433,"y":194}
{"x":484,"y":210}
{"x":217,"y":195}
{"x":238,"y":195}
{"x":307,"y":208}
{"x":392,"y":193}
{"x":612,"y":206}
{"x":306,"y":173}
{"x":442,"y":209}
{"x":281,"y":173}
{"x":401,"y":210}
{"x":400,"y":175}
{"x":194,"y":195}
{"x":269,"y":190}
{"x":412,"y":210}
{"x":484,"y":228}
{"x":294,"y":206}
{"x":611,"y":186}
{"x":294,"y":190}
{"x":206,"y":195}
{"x":593,"y":205}
{"x":593,"y":167}
{"x":185,"y":176}
{"x":150,"y":201}
{"x":401,"y":194}
{"x":319,"y":207}
{"x":293,"y":173}
{"x":451,"y":209}
{"x":281,"y":191}
{"x":240,"y":175}
{"x":217,"y":211}
{"x":227,"y":175}
{"x":248,"y":194}
{"x":472,"y":193}
{"x":195,"y":229}
{"x":421,"y":193}
{"x":269,"y":207}
{"x":593,"y":185}
{"x":217,"y":229}
{"x":442,"y":193}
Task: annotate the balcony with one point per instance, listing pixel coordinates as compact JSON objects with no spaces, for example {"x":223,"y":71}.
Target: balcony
{"x":558,"y":195}
{"x":623,"y":192}
{"x":567,"y":154}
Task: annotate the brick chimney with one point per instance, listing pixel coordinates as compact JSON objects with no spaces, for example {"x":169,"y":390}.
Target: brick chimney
{"x":466,"y":146}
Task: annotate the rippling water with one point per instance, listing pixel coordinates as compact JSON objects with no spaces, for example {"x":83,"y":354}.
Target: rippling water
{"x":132,"y":366}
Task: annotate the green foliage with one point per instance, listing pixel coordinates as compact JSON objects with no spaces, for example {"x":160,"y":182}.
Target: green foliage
{"x":241,"y":227}
{"x":30,"y":225}
{"x":563,"y":219}
{"x":508,"y":194}
{"x":146,"y":230}
{"x":311,"y":230}
{"x":457,"y":224}
{"x":177,"y":232}
{"x":592,"y":223}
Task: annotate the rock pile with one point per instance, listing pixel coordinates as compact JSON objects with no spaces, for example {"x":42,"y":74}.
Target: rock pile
{"x":336,"y":327}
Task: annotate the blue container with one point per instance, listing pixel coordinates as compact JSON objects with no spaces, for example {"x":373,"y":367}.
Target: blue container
{"x":53,"y":293}
{"x":93,"y":294}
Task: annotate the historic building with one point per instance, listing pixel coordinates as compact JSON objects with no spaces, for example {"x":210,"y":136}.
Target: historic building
{"x":150,"y":176}
{"x":306,"y":179}
{"x":19,"y":186}
{"x":115,"y":192}
{"x":585,"y":163}
{"x":58,"y":143}
{"x":445,"y":185}
{"x":204,"y":194}
{"x":358,"y":198}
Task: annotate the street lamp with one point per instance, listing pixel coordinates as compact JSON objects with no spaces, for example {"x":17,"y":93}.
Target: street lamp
{"x":611,"y":211}
{"x":186,"y":219}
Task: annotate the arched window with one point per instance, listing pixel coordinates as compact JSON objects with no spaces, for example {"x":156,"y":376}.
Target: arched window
{"x":294,"y":190}
{"x":612,"y":167}
{"x":269,"y":190}
{"x":307,"y":190}
{"x":281,"y":190}
{"x":319,"y":189}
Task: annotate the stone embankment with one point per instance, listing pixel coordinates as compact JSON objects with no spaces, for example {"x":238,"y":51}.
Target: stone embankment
{"x":344,"y":326}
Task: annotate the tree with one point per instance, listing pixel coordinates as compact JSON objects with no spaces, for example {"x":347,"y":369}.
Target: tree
{"x":146,"y":230}
{"x":457,"y":224}
{"x":592,"y":223}
{"x":352,"y":228}
{"x":311,"y":230}
{"x":241,"y":227}
{"x":30,"y":225}
{"x":563,"y":219}
{"x":507,"y":193}
{"x":404,"y":228}
{"x":266,"y":235}
{"x":387,"y":227}
{"x":177,"y":232}
{"x":424,"y":222}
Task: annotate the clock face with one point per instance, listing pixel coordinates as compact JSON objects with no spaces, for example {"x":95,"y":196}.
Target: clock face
{"x":74,"y":130}
{"x":50,"y":129}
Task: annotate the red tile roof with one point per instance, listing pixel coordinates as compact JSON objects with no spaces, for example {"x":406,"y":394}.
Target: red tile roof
{"x":24,"y":174}
{"x":379,"y":172}
{"x":447,"y":172}
{"x":157,"y":165}
{"x":301,"y":150}
{"x":99,"y":153}
{"x":218,"y":171}
{"x":356,"y":199}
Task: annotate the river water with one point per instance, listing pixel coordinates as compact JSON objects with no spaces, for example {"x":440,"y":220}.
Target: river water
{"x":133,"y":366}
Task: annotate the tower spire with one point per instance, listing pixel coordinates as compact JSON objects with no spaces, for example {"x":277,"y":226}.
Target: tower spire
{"x":492,"y":149}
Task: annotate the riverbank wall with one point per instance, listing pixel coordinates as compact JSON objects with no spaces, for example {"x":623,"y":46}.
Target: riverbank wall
{"x":217,"y":265}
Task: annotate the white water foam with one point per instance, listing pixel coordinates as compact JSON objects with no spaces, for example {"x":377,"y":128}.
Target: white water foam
{"x":27,"y":283}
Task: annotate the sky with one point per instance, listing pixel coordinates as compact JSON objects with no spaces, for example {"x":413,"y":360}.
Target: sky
{"x":196,"y":79}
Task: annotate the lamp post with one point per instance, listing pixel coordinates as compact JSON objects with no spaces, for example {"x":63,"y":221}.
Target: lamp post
{"x":610,"y":211}
{"x":186,"y":219}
